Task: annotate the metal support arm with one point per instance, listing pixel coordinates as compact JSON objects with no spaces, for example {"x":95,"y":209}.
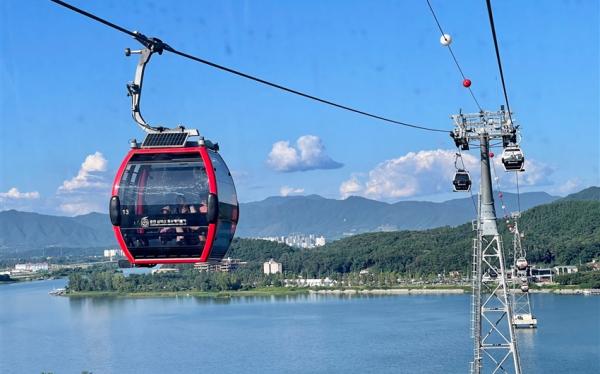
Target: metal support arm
{"x":134,"y":89}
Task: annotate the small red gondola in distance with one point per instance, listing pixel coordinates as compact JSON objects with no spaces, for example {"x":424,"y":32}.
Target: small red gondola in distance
{"x":174,"y":205}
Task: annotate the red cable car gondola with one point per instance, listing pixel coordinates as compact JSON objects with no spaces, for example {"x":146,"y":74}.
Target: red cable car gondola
{"x":173,"y":199}
{"x":174,"y":205}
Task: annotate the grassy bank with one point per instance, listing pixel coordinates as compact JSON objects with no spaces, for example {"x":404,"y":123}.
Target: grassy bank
{"x":270,"y":291}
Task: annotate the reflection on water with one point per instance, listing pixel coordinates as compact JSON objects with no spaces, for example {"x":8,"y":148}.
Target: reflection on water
{"x":526,"y":338}
{"x":305,"y":333}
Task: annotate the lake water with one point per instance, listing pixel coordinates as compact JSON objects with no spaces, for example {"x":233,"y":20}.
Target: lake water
{"x":301,"y":334}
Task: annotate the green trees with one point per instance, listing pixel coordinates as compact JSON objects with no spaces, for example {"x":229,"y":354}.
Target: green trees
{"x":187,"y":279}
{"x":564,"y":232}
{"x":587,"y":279}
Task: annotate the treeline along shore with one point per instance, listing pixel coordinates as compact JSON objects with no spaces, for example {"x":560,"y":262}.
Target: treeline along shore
{"x":104,"y":280}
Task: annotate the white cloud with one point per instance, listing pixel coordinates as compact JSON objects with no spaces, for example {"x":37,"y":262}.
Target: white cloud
{"x":85,"y":179}
{"x":536,"y":174}
{"x":308,"y":154}
{"x":416,"y":173}
{"x":88,"y":191}
{"x":431,"y":171}
{"x":569,"y":186}
{"x":351,"y":187}
{"x":287,"y":191}
{"x":15,"y":194}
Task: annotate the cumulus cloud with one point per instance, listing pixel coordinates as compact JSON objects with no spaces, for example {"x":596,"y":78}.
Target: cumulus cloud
{"x":431,"y":171}
{"x":536,"y":174}
{"x":351,"y":187}
{"x":85,"y":178}
{"x":416,"y":173}
{"x":308,"y":154}
{"x":88,"y":191}
{"x":15,"y":194}
{"x":287,"y":191}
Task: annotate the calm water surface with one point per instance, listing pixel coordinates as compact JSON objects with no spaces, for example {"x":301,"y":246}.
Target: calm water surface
{"x":303,"y":334}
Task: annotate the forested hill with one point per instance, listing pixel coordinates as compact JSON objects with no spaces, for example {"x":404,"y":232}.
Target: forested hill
{"x":564,"y":232}
{"x":590,"y":193}
{"x":25,"y":230}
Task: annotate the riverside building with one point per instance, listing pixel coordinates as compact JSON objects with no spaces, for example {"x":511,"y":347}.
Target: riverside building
{"x":272,"y":267}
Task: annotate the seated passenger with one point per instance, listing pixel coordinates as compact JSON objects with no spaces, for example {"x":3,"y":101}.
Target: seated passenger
{"x":203,"y":206}
{"x":166,"y":234}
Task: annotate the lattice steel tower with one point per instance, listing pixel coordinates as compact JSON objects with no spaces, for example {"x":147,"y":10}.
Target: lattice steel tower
{"x":495,"y":346}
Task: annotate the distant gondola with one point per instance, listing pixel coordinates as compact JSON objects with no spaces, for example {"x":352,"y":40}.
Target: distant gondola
{"x":513,"y":159}
{"x":462,"y":181}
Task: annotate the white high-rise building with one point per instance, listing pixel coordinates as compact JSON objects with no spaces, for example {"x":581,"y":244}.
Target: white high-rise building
{"x":319,"y":241}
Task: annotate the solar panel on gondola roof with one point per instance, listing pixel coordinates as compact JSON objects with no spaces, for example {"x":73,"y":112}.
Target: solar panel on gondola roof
{"x":165,"y":140}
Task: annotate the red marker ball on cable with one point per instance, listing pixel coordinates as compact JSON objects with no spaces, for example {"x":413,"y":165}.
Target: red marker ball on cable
{"x":467,"y":83}
{"x":491,"y":154}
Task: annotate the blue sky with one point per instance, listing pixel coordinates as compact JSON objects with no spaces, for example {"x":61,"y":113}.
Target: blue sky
{"x":65,"y":119}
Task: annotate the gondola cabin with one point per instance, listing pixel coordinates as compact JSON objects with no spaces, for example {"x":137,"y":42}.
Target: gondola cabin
{"x":462,"y":181}
{"x":522,"y":263}
{"x":174,"y":204}
{"x":513,"y":159}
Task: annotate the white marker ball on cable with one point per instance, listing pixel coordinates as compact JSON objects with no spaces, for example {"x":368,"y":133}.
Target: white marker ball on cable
{"x":445,"y":40}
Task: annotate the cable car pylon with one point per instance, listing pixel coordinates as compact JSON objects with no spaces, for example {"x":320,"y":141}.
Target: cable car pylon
{"x":495,"y":346}
{"x":522,"y":311}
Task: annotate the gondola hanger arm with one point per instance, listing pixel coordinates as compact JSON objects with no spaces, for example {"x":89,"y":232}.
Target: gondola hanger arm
{"x":134,"y":89}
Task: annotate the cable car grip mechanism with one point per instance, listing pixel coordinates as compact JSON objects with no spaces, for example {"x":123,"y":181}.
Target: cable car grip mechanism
{"x":134,"y":89}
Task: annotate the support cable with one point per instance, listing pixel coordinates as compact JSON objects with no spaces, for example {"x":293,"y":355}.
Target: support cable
{"x":168,"y":48}
{"x":460,"y":70}
{"x":518,"y":191}
{"x":493,"y":28}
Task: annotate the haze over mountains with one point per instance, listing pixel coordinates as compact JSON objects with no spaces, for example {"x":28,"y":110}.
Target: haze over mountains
{"x":273,"y":216}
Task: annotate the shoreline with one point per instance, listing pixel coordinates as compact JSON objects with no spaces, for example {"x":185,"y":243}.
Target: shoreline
{"x":393,"y":291}
{"x":282,"y":291}
{"x":205,"y":294}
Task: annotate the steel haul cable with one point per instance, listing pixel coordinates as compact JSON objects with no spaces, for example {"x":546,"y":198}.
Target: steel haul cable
{"x":247,"y":76}
{"x":493,"y":28}
{"x":497,"y":49}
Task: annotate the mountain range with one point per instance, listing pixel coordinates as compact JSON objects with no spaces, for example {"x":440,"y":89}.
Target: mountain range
{"x":274,"y":216}
{"x":313,"y":214}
